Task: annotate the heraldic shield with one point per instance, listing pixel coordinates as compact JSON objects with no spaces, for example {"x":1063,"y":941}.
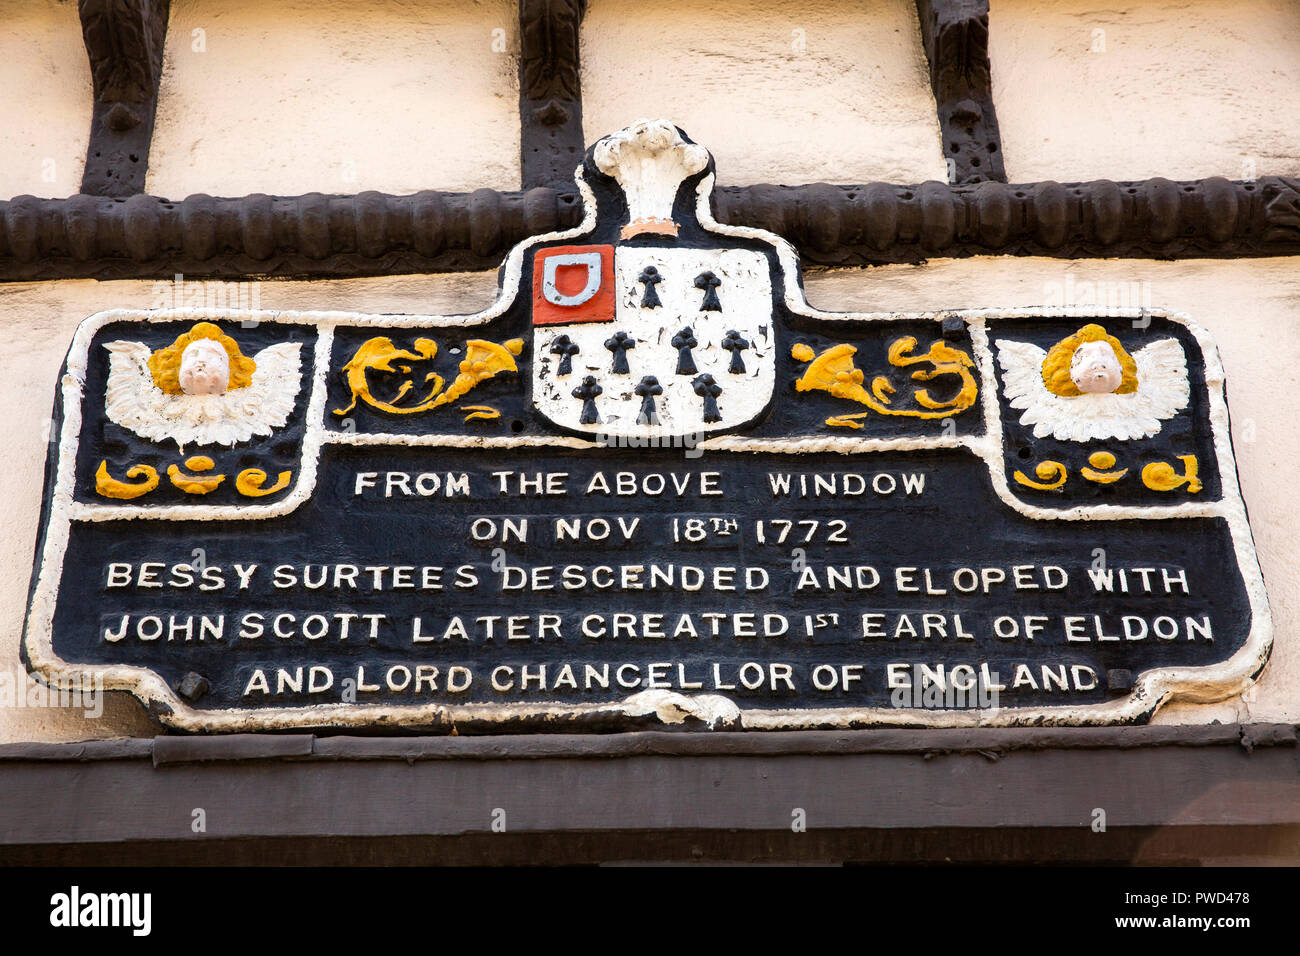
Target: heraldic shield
{"x":662,"y":333}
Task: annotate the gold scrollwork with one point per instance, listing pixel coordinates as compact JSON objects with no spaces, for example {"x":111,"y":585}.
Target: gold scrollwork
{"x":195,"y":484}
{"x":110,"y":487}
{"x":946,"y":361}
{"x":1160,"y":475}
{"x":1051,"y":476}
{"x":847,"y":421}
{"x":482,"y":361}
{"x":379,"y":354}
{"x":1097,"y":468}
{"x":480,"y":412}
{"x":834,"y":371}
{"x":250,"y":482}
{"x":1156,"y":475}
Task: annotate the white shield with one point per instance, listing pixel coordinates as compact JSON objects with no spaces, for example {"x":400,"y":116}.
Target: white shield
{"x":668,"y":390}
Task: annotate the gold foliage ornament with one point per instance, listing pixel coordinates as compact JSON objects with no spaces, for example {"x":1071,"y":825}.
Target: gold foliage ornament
{"x":110,"y":487}
{"x":834,"y":371}
{"x":483,"y":360}
{"x":379,"y":354}
{"x":1096,"y":469}
{"x":1160,"y":475}
{"x":1051,"y":476}
{"x":480,"y":412}
{"x":251,"y":482}
{"x":195,"y":484}
{"x":1156,"y":475}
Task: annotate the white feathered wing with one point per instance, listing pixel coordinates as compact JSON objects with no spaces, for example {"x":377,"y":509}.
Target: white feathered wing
{"x":1162,"y":392}
{"x":133,"y":401}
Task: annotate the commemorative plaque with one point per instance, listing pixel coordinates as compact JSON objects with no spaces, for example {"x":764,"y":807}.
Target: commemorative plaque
{"x":649,"y":485}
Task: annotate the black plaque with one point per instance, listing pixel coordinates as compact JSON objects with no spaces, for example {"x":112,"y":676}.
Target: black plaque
{"x":650,"y":484}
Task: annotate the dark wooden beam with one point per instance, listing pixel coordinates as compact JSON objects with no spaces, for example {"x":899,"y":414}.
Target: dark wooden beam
{"x":1274,"y":845}
{"x":259,"y":235}
{"x":1149,"y":219}
{"x":124,"y":39}
{"x":872,"y":224}
{"x":551,"y":143}
{"x":956,"y":38}
{"x":1208,"y":794}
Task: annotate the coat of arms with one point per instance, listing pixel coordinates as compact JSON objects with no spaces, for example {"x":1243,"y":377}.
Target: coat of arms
{"x":664,"y":330}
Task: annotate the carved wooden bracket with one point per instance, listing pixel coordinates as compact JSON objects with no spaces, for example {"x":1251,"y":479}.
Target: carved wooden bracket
{"x":956,"y":38}
{"x":551,"y":143}
{"x":124,"y":39}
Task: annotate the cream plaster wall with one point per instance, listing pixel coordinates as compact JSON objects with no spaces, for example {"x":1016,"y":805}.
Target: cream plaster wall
{"x":1092,"y":89}
{"x":1252,"y":307}
{"x":333,"y":96}
{"x":342,"y":96}
{"x":807,"y":91}
{"x":45,"y":79}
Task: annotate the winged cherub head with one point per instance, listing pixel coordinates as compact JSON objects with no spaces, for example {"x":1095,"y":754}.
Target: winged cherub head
{"x":204,"y":369}
{"x":201,"y":388}
{"x":1089,"y":362}
{"x":202,"y":361}
{"x":1087,"y":386}
{"x":1095,"y":368}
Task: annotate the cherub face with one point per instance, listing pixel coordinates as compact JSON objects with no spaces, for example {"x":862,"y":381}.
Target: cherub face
{"x":205,"y":368}
{"x":1095,"y":368}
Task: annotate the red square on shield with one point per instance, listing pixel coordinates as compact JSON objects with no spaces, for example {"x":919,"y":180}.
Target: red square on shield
{"x":573,"y":284}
